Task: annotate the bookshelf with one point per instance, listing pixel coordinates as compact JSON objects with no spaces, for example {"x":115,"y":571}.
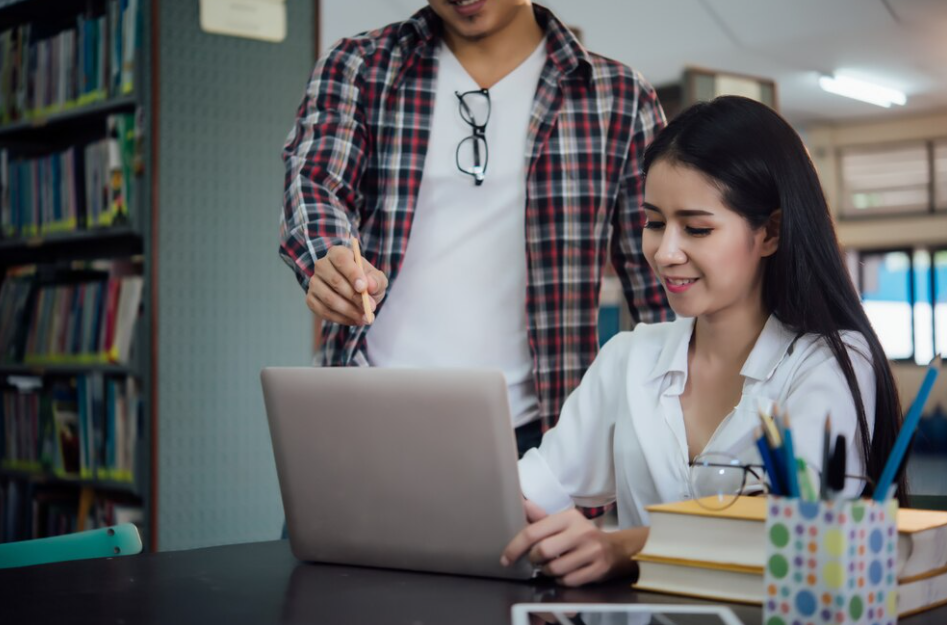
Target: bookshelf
{"x":76,"y":341}
{"x":67,"y":119}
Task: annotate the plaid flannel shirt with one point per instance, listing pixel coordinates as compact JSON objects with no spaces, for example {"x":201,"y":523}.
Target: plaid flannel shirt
{"x":354,"y":161}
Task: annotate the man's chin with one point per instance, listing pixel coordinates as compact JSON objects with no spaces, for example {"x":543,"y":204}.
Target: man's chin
{"x":471,"y":30}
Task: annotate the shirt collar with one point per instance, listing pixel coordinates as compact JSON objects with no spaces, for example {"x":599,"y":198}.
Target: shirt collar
{"x":773,"y":344}
{"x":776,"y":340}
{"x":673,"y":356}
{"x":563,"y":49}
{"x":420,"y":28}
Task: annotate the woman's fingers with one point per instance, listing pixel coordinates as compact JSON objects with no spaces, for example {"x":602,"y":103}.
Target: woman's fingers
{"x":531,"y":535}
{"x":533,"y":511}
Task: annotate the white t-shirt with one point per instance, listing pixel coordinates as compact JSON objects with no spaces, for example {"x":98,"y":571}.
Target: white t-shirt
{"x":621,"y":434}
{"x":460,"y":298}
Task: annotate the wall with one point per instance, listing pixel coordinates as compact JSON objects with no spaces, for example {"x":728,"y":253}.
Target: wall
{"x":227,"y":305}
{"x":340,"y":18}
{"x":823,"y":143}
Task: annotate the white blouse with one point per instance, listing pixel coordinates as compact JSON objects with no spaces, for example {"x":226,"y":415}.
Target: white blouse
{"x":620,"y":436}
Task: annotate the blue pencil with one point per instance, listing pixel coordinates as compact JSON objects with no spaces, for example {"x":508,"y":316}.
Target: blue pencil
{"x":907,"y":432}
{"x":774,"y":486}
{"x":774,"y":443}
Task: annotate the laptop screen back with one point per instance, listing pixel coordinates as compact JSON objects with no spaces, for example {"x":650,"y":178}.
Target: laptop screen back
{"x":398,"y":468}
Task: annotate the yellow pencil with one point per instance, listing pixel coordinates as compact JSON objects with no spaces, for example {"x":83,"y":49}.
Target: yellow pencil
{"x":770,"y":430}
{"x":366,"y":303}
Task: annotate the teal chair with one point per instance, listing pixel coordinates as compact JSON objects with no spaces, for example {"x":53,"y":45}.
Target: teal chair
{"x":106,"y":542}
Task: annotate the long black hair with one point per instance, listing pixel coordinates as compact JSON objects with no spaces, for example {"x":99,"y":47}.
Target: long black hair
{"x":760,"y":165}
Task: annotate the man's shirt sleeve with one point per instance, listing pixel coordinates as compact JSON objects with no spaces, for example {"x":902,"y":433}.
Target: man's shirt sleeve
{"x":645,"y":296}
{"x":325,"y":157}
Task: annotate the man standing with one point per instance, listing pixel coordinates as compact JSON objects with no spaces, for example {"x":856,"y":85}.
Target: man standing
{"x":484,"y":160}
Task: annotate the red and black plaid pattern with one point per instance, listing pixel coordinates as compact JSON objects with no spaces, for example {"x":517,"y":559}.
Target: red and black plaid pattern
{"x":355,"y":156}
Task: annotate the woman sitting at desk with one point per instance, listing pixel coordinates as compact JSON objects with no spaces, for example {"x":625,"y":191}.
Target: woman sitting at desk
{"x":739,"y":233}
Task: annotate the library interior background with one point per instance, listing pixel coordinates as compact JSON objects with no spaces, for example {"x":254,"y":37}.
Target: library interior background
{"x":141,"y":183}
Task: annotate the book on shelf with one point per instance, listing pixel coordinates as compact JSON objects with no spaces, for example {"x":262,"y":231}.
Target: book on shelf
{"x":52,"y":512}
{"x":130,"y":28}
{"x":12,"y":512}
{"x":85,"y":427}
{"x":14,"y":296}
{"x":77,"y":317}
{"x":43,"y":73}
{"x":120,"y":145}
{"x":33,"y":510}
{"x":81,"y":187}
{"x":65,"y":412}
{"x":720,"y":554}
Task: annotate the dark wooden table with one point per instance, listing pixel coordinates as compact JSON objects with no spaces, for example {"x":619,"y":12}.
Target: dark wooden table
{"x":261,"y":583}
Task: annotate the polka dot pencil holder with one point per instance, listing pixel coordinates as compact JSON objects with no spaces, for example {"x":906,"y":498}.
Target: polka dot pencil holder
{"x":830,"y":562}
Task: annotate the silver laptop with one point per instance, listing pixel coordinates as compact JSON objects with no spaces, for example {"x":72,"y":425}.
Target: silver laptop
{"x":397,"y":468}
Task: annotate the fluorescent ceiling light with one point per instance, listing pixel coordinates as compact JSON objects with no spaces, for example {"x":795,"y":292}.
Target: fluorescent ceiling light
{"x":861,"y":90}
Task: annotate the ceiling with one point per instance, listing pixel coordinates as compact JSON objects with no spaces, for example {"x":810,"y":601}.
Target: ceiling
{"x":900,"y":44}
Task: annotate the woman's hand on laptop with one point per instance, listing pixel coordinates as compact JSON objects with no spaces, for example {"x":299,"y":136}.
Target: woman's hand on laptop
{"x":570,"y":548}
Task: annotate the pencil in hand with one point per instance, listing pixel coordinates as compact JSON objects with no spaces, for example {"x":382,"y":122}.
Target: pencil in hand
{"x":366,"y":301}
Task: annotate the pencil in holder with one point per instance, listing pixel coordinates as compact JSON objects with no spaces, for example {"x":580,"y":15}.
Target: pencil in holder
{"x":830,"y":562}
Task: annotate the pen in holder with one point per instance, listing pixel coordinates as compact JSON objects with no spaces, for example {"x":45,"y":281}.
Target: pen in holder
{"x":830,"y":562}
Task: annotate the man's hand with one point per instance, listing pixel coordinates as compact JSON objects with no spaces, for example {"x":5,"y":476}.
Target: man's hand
{"x":336,"y":286}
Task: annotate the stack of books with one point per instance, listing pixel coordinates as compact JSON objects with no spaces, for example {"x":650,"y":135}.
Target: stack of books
{"x":719,"y":554}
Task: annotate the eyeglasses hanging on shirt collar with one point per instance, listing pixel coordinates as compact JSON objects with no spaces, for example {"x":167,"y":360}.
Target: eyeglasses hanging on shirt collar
{"x":472,"y":153}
